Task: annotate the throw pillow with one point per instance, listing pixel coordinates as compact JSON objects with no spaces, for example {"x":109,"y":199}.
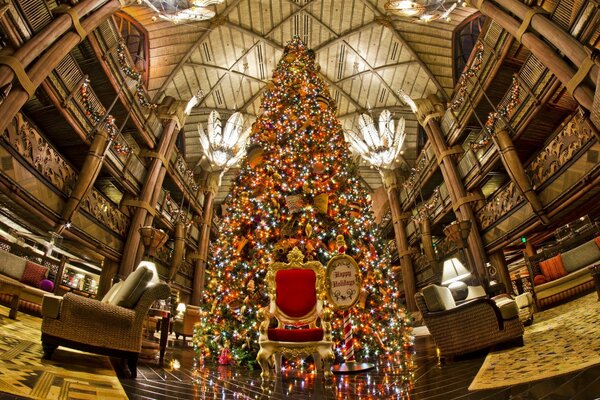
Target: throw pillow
{"x":12,"y":265}
{"x":33,"y":274}
{"x":133,"y":287}
{"x":539,"y":280}
{"x":597,"y":240}
{"x":47,"y":285}
{"x":438,"y":298}
{"x":553,"y":268}
{"x":112,"y":292}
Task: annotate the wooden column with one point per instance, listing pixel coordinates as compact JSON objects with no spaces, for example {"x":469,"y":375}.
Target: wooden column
{"x":427,"y":240}
{"x":499,"y":263}
{"x":404,"y":252}
{"x":212,"y":186}
{"x":428,"y":113}
{"x":86,"y":178}
{"x":48,"y":61}
{"x":173,"y":118}
{"x":178,"y":250}
{"x":109,"y":270}
{"x":543,"y":51}
{"x":516,"y":171}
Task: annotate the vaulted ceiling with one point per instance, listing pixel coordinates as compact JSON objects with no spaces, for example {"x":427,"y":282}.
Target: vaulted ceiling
{"x":366,"y":55}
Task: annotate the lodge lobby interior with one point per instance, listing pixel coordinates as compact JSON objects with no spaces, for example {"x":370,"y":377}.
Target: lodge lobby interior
{"x":327,"y":199}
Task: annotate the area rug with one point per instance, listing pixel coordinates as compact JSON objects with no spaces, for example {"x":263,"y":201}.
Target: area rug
{"x":561,"y":340}
{"x":69,"y":375}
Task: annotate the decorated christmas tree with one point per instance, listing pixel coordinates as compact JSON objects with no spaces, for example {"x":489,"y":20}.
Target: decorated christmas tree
{"x":298,"y":187}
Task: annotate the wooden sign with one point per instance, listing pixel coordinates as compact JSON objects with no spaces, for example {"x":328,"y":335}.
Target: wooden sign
{"x":343,"y":281}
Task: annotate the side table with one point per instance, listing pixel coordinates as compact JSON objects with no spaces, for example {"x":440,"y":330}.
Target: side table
{"x":12,"y":288}
{"x":595,"y":272}
{"x":164,"y":330}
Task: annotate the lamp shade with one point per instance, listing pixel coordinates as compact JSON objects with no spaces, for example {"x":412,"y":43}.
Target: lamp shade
{"x":181,"y":307}
{"x":453,"y":271}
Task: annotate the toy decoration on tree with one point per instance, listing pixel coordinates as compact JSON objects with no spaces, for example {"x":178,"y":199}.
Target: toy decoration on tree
{"x":299,"y":187}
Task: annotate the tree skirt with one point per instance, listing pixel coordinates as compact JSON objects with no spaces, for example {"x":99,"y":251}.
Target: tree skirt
{"x":70,"y":374}
{"x":561,"y":340}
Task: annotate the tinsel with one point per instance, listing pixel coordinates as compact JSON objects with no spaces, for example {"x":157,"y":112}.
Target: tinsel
{"x":425,"y":210}
{"x":118,"y":147}
{"x":187,"y":173}
{"x":502,"y":112}
{"x":472,"y":71}
{"x":410,"y":182}
{"x":136,"y":76}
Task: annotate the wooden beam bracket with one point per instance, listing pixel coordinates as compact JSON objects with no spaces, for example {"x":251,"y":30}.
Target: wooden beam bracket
{"x":16,"y":66}
{"x":153,"y":154}
{"x":582,"y":72}
{"x":471,"y":198}
{"x":74,"y":18}
{"x":140,"y":204}
{"x":527,"y":21}
{"x":449,"y":152}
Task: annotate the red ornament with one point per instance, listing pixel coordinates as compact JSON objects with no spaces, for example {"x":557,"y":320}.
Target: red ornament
{"x":341,"y":249}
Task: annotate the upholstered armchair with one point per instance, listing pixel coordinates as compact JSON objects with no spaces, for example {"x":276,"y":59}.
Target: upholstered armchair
{"x":185,"y":325}
{"x":472,"y":325}
{"x":296,"y":293}
{"x":112,"y":326}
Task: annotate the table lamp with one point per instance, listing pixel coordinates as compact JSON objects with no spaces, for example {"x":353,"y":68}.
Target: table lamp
{"x":452,"y":274}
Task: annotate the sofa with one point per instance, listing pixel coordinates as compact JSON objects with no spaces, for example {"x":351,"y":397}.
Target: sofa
{"x":17,"y":269}
{"x":112,"y":326}
{"x":560,"y":273}
{"x":472,"y":325}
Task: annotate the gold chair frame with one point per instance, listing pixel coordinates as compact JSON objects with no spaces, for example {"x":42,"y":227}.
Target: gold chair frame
{"x":271,"y":351}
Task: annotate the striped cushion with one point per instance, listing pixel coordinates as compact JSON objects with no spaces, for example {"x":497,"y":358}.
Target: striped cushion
{"x":597,"y":240}
{"x":553,"y":268}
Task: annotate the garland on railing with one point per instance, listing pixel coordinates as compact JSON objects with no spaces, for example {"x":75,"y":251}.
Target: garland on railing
{"x":494,"y":116}
{"x":472,"y":71}
{"x":188,"y":174}
{"x":133,"y":74}
{"x":425,"y":210}
{"x":410,"y":182}
{"x":96,"y":117}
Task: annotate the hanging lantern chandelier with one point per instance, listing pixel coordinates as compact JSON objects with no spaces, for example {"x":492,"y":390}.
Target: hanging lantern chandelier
{"x":422,"y":10}
{"x":178,"y":11}
{"x":382,"y":147}
{"x":224,"y":147}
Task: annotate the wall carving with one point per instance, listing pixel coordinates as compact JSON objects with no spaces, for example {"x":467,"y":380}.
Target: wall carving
{"x":104,"y":211}
{"x":505,"y":200}
{"x":29,"y":143}
{"x":24,"y":138}
{"x":572,"y":137}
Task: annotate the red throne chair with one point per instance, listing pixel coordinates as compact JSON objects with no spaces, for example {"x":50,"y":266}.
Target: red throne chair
{"x":296,"y":293}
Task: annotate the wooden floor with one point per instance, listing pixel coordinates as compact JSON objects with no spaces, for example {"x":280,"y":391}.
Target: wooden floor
{"x":430,"y":381}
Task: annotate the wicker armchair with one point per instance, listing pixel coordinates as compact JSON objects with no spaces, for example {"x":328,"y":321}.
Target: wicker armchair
{"x":99,"y":327}
{"x":470,"y":326}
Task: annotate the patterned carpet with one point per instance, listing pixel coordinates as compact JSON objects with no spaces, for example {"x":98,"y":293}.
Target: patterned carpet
{"x":70,"y":374}
{"x":562,"y":339}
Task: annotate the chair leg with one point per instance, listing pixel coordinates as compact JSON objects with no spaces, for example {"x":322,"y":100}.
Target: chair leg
{"x":48,"y":349}
{"x":318,"y":361}
{"x":263,"y":360}
{"x":132,"y":365}
{"x":278,"y":361}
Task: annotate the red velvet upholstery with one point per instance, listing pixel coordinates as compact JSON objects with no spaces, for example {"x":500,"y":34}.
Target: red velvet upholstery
{"x":553,"y":268}
{"x":296,"y":291}
{"x":296,"y":335}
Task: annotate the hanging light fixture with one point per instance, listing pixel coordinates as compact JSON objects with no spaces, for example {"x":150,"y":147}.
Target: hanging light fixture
{"x":378,"y":147}
{"x":224,"y":147}
{"x":178,"y":11}
{"x":422,"y":10}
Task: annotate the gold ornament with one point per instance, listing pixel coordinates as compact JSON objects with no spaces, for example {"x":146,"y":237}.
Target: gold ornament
{"x":309,"y":230}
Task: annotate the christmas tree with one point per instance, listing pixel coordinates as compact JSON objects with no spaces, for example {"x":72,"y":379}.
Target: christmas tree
{"x":297,"y":187}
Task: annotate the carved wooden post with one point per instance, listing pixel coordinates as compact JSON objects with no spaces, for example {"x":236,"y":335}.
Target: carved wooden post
{"x":109,"y":270}
{"x":429,"y":112}
{"x":404,"y":252}
{"x":516,"y":171}
{"x":87,"y":176}
{"x":178,"y":249}
{"x":427,"y":240}
{"x":573,"y":80}
{"x":499,"y":263}
{"x":172,"y":114}
{"x":212,"y":186}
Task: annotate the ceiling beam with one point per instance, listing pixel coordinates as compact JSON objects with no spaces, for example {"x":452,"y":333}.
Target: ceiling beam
{"x":300,"y":8}
{"x":377,"y":110}
{"x":345,"y":35}
{"x":215,"y":23}
{"x":342,"y":91}
{"x":380,"y":68}
{"x":387,"y":23}
{"x":218,"y":68}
